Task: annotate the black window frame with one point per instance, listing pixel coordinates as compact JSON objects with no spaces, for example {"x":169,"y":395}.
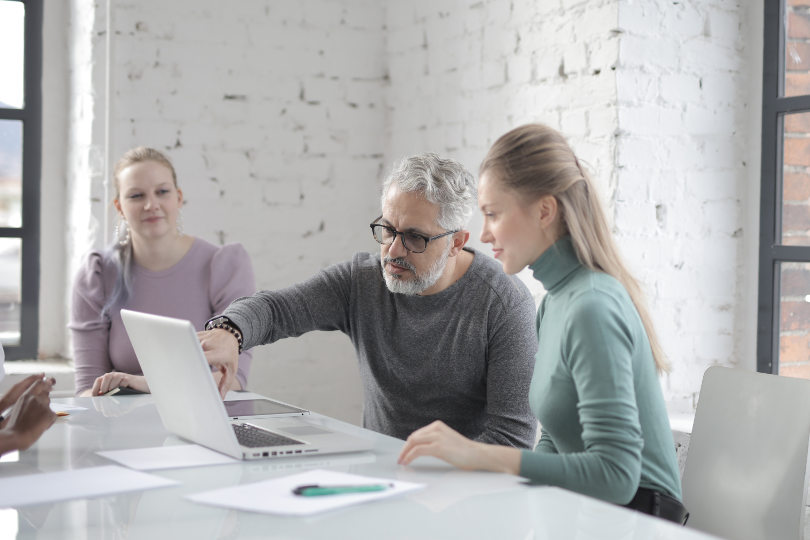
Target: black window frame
{"x":29,"y":232}
{"x":771,"y":251}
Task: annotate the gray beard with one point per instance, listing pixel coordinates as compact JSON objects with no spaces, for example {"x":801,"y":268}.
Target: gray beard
{"x":419,"y":283}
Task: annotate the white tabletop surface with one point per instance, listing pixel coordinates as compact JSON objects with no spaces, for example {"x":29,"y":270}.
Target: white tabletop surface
{"x":453,"y":504}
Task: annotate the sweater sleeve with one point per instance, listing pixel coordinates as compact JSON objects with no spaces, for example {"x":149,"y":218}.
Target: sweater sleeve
{"x":545,"y":444}
{"x":597,"y":349}
{"x":231,"y":278}
{"x":510,"y":362}
{"x":90,"y":331}
{"x":319,"y":303}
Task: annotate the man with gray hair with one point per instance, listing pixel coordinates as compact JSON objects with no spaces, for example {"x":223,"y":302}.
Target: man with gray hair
{"x":441,"y":332}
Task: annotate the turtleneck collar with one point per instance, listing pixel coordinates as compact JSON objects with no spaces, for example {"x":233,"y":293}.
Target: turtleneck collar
{"x":556,"y":263}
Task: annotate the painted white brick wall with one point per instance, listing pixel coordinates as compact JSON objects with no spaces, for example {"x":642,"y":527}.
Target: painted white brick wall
{"x":654,"y":96}
{"x":684,"y":152}
{"x":53,"y":285}
{"x":272,"y":114}
{"x":483,"y":67}
{"x":281,"y":117}
{"x":83,"y":151}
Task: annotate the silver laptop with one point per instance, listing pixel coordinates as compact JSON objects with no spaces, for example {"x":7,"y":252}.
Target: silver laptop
{"x":190,"y":406}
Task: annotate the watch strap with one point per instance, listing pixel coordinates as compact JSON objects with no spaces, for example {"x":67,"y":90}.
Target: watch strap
{"x":224,"y":323}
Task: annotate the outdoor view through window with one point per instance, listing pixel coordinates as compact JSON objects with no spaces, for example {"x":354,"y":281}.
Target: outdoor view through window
{"x":12,"y":17}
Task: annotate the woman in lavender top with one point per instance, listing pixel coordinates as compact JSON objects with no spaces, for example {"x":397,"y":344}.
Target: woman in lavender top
{"x":152,"y":266}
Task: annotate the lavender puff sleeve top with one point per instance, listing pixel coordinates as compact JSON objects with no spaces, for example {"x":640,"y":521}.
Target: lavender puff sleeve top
{"x":202,"y":284}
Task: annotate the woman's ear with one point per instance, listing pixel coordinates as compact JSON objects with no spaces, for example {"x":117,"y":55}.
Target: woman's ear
{"x":547,"y":210}
{"x":117,"y":205}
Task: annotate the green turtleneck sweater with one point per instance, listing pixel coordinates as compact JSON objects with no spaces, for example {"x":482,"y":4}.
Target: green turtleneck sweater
{"x":595,"y":388}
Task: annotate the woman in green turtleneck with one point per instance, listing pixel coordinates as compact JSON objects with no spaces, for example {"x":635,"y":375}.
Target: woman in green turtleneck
{"x":595,"y":389}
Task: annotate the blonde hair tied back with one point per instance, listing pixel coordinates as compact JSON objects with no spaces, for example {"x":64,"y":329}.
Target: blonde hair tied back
{"x":535,"y":160}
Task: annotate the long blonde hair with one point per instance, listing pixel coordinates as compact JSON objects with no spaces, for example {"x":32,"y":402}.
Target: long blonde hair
{"x":535,"y":160}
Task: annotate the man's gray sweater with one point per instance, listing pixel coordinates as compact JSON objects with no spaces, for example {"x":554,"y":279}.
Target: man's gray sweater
{"x":464,"y":355}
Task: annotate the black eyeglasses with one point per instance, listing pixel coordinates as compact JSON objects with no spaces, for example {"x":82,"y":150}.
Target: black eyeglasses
{"x":413,"y":242}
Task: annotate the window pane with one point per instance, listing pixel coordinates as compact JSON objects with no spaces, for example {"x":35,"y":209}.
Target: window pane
{"x":12,"y":26}
{"x":10,"y":173}
{"x":10,"y":290}
{"x":796,"y":180}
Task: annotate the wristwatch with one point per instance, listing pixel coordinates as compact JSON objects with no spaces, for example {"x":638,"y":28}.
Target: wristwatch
{"x":226,"y":324}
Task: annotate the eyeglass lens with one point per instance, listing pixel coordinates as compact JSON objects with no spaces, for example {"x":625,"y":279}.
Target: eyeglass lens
{"x":413,"y":242}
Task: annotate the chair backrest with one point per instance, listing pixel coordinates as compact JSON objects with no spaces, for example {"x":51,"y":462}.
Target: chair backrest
{"x":746,"y":469}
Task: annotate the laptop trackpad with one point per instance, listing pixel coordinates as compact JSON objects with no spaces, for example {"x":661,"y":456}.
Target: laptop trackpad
{"x":303,"y":430}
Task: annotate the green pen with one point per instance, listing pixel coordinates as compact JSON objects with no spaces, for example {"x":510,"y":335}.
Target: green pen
{"x":314,"y":490}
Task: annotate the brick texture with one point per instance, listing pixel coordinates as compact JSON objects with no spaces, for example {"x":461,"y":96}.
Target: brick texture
{"x":797,"y":55}
{"x":799,"y":370}
{"x":272,"y":120}
{"x":281,"y":118}
{"x":794,"y":329}
{"x":680,"y":164}
{"x":797,"y":152}
{"x":797,"y":123}
{"x":793,"y":349}
{"x":795,"y":281}
{"x":798,"y":24}
{"x":794,"y":315}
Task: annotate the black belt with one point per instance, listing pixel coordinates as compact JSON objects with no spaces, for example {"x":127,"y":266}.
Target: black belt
{"x":659,"y":504}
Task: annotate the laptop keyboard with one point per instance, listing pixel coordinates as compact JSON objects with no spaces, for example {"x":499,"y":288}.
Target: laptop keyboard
{"x":254,"y":437}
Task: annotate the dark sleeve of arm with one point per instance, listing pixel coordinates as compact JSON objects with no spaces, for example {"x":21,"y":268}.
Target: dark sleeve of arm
{"x":510,"y":363}
{"x":231,"y":278}
{"x":598,"y":351}
{"x":320,"y":303}
{"x":90,"y":332}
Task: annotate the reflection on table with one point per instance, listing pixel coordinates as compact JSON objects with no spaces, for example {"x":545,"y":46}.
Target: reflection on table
{"x":453,"y":504}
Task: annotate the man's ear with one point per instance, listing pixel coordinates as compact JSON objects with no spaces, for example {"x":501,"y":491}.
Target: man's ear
{"x":460,"y":239}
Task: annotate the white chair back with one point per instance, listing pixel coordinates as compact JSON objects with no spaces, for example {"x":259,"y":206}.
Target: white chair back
{"x":747,"y":464}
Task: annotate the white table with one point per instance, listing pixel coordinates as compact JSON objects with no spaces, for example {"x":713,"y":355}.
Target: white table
{"x":454,"y":504}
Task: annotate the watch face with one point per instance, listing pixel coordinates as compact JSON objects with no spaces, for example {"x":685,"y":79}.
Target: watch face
{"x":213,"y":322}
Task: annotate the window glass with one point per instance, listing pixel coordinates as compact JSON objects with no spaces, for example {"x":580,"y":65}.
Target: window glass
{"x":10,"y":290}
{"x":10,"y":173}
{"x":796,"y":180}
{"x":12,"y":26}
{"x":20,"y":121}
{"x":794,"y":320}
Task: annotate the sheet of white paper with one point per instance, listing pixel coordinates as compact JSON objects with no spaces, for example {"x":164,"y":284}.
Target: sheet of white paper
{"x":276,"y":496}
{"x":75,"y":484}
{"x":64,"y":407}
{"x":167,"y":457}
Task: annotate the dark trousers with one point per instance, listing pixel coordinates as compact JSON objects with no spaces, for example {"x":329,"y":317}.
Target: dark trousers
{"x":659,"y":504}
